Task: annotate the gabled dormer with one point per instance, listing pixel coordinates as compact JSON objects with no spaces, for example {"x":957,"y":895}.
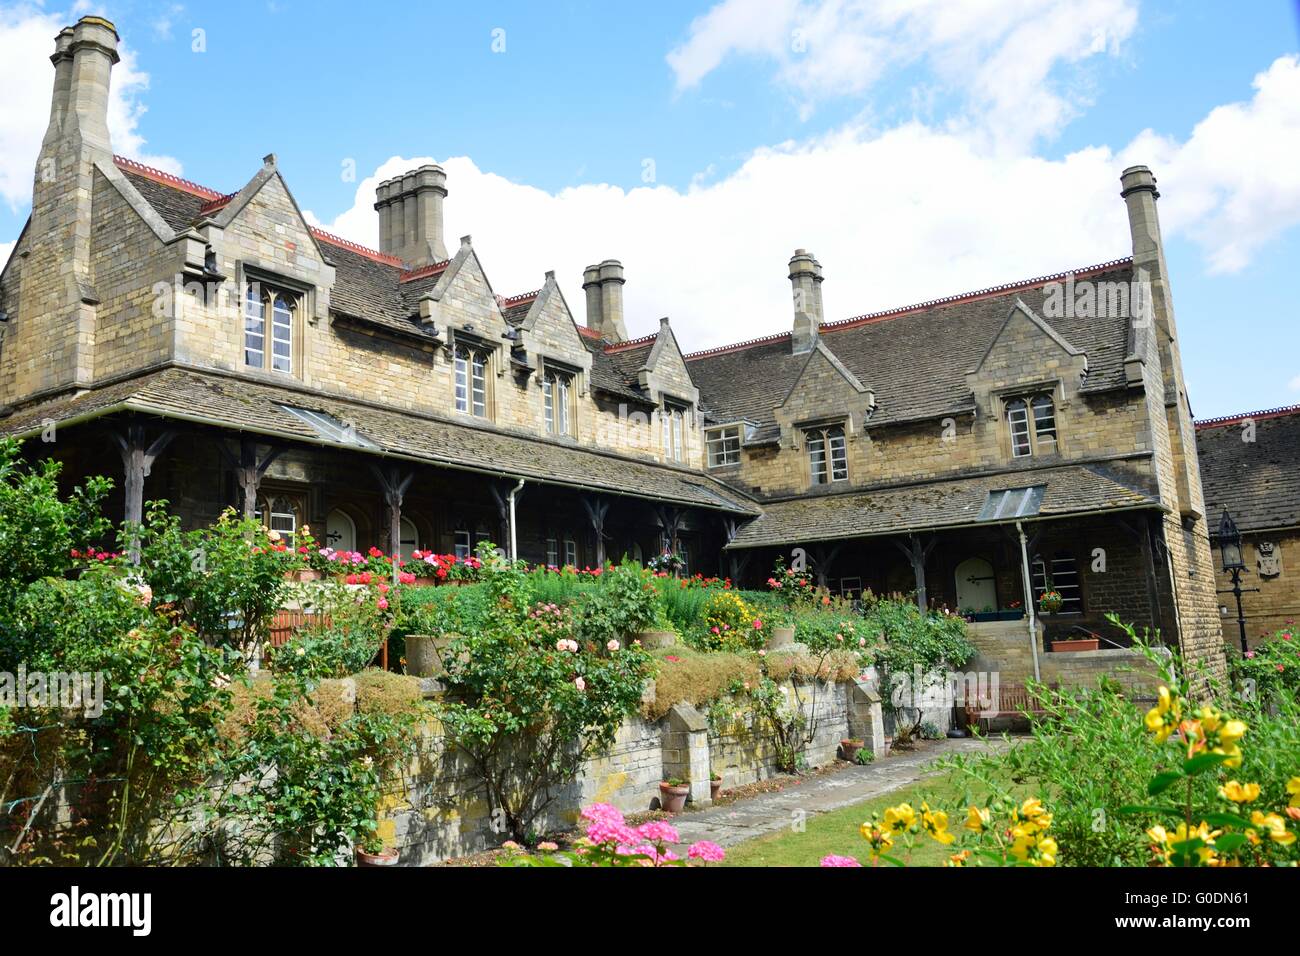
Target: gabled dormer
{"x":1026,"y":381}
{"x":549,"y":348}
{"x":821,"y":413}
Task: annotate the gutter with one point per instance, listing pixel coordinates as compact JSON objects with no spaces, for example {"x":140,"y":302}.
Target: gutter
{"x":514,"y":549}
{"x":1030,"y":616}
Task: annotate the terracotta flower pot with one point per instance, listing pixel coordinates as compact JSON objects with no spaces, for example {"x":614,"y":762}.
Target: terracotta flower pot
{"x":1076,"y":644}
{"x":849,"y":749}
{"x":302,"y":574}
{"x":420,"y":582}
{"x":388,"y":857}
{"x":673,"y":799}
{"x":715,"y":788}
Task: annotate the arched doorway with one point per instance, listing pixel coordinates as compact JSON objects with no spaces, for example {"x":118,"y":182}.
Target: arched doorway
{"x":976,"y":589}
{"x":340,"y":531}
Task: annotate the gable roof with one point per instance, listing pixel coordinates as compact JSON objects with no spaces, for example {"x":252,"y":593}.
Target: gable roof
{"x":1257,"y":481}
{"x":915,"y":358}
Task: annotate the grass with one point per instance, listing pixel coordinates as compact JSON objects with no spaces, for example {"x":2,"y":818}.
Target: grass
{"x":837,"y":831}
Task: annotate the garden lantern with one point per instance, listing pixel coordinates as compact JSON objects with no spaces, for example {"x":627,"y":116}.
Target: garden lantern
{"x":1230,"y":549}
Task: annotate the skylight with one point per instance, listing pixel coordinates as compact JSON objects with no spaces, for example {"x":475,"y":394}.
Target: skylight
{"x":330,"y":428}
{"x":1012,"y":503}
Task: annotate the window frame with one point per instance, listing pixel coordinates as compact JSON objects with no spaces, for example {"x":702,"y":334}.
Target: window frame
{"x":268,"y":326}
{"x":1032,"y":424}
{"x":1072,"y":597}
{"x":821,"y":440}
{"x":557,"y":396}
{"x":672,"y":426}
{"x":717,"y":438}
{"x":470,"y":367}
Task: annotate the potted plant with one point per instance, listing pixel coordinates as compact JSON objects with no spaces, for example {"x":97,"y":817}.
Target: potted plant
{"x":849,"y":748}
{"x":372,"y":852}
{"x":672,"y":794}
{"x":1050,"y":602}
{"x":1090,"y":643}
{"x":715,"y":785}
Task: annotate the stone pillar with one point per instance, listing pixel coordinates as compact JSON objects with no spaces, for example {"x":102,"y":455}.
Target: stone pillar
{"x":686,"y":750}
{"x":591,"y":286}
{"x":866,"y":718}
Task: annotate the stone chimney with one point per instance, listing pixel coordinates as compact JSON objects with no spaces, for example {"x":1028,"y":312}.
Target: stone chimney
{"x":57,"y":299}
{"x":603,"y":284}
{"x":410,"y":216}
{"x":806,"y":287}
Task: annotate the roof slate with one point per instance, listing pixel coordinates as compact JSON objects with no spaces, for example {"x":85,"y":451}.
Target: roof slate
{"x":1257,"y":481}
{"x":1073,"y":489}
{"x":245,"y":405}
{"x":915,"y":361}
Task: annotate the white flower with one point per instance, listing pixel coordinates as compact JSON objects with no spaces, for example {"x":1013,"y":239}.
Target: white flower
{"x":301,"y":651}
{"x":612,"y":645}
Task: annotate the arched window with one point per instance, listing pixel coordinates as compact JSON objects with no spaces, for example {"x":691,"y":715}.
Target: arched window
{"x":471,"y":381}
{"x":828,"y":458}
{"x":1031,"y":421}
{"x":281,"y":515}
{"x":259,"y":302}
{"x":1062,"y":576}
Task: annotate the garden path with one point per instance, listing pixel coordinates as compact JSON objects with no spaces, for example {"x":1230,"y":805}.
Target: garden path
{"x":767,"y":813}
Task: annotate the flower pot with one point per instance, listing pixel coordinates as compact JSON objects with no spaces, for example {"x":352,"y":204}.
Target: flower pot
{"x":387,"y":857}
{"x":1076,"y":644}
{"x":302,"y":574}
{"x":673,"y":799}
{"x":781,"y":637}
{"x":420,"y":582}
{"x":652,"y":639}
{"x":715,"y":789}
{"x":849,"y":749}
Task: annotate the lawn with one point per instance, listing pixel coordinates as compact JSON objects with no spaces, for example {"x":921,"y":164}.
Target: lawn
{"x":837,"y":831}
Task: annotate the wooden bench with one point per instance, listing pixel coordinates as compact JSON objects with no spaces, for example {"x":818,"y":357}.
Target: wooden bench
{"x":1014,"y":700}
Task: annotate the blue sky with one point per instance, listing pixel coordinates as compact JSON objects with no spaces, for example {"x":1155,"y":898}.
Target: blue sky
{"x":701,"y":143}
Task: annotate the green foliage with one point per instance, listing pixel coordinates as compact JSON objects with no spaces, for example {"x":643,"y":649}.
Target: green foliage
{"x":225,"y":580}
{"x":344,"y":632}
{"x":38,"y":529}
{"x":1271,"y":670}
{"x":528,"y":705}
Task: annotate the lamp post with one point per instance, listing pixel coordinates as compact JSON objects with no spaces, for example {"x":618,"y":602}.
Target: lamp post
{"x":1230,"y":550}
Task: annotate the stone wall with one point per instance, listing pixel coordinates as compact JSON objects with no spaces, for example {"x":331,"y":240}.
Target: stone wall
{"x":1278,"y":599}
{"x":436,"y":811}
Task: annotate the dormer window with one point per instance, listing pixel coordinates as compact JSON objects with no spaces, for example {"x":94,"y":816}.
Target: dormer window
{"x":471,"y":380}
{"x":828,"y":454}
{"x":557,"y":389}
{"x":723,"y":445}
{"x":270,"y":349}
{"x":1032,"y":424}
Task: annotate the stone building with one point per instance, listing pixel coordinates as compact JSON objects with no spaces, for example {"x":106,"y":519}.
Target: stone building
{"x":214,"y":350}
{"x":1250,"y":466}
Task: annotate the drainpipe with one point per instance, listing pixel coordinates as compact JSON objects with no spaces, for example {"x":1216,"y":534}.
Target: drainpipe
{"x":514,"y":551}
{"x":1029,"y":599}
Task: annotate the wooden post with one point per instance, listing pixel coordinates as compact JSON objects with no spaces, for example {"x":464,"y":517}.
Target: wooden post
{"x":917,"y":553}
{"x":823,"y":558}
{"x":597,"y":508}
{"x":137,"y":462}
{"x":394,"y":484}
{"x":249,"y":470}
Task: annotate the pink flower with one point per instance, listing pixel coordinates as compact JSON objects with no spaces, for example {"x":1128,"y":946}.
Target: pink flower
{"x":714,"y":629}
{"x":833,"y":860}
{"x":706,"y":851}
{"x":758,"y":625}
{"x":657,"y":831}
{"x":1249,"y":655}
{"x":612,"y":645}
{"x":762,"y":653}
{"x":382,"y":604}
{"x":579,"y":683}
{"x":602,"y":813}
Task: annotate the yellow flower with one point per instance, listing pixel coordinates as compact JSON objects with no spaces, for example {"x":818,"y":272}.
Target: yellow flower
{"x":880,"y":840}
{"x":1232,"y":731}
{"x":977,"y":819}
{"x":1165,"y":843}
{"x":935,"y":823}
{"x":1239,"y":792}
{"x":957,"y":859}
{"x":1275,"y":826}
{"x":900,"y":818}
{"x":1293,"y":788}
{"x":1164,"y":716}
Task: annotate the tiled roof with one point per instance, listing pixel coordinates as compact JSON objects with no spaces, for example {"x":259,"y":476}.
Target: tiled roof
{"x":897,"y":509}
{"x":241,"y":404}
{"x":915,"y":358}
{"x":1257,"y":481}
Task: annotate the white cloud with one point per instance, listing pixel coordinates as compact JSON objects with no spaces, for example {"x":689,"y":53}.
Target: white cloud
{"x":26,"y":42}
{"x":6,"y":250}
{"x":1003,"y":57}
{"x":898,"y":216}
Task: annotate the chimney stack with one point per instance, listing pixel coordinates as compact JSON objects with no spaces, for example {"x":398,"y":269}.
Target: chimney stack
{"x":411,"y":216}
{"x":93,"y":48}
{"x":806,"y":287}
{"x":62,"y":60}
{"x":603,"y":284}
